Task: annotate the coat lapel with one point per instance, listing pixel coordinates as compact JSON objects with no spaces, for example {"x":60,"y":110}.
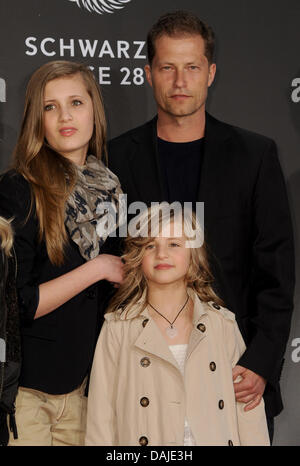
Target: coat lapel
{"x":199,"y":317}
{"x":152,"y":341}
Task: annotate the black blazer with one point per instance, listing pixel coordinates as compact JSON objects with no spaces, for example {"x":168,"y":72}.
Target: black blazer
{"x":247,"y":229}
{"x":57,"y":349}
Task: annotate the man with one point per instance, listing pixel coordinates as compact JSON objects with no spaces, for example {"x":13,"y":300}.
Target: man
{"x":184,"y":154}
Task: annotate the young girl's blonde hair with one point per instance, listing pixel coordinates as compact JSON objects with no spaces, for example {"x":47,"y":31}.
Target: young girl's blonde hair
{"x":198,"y":278}
{"x":6,"y":236}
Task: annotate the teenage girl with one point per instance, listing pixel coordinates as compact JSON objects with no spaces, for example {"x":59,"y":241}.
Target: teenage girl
{"x":54,"y":194}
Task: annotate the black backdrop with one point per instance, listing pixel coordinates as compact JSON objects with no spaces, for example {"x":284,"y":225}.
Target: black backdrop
{"x":257,"y":87}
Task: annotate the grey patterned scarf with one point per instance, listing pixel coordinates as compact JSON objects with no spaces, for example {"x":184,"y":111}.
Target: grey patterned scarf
{"x":92,"y":210}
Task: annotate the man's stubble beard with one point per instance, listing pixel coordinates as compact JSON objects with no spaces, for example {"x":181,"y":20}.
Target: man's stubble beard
{"x":183,"y":113}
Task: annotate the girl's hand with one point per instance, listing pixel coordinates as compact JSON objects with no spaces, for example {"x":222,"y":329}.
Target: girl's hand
{"x":56,"y":292}
{"x":110,"y":268}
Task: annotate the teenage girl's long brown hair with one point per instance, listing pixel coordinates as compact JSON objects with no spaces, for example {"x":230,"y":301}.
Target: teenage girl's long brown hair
{"x":199,"y":277}
{"x":52,"y":176}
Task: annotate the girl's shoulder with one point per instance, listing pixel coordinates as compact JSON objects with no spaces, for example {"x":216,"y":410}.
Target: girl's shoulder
{"x":217,"y":314}
{"x":13,"y":176}
{"x":113,"y":316}
{"x":223,"y":324}
{"x":121,"y":328}
{"x":13,"y":183}
{"x":124,"y":315}
{"x":15,"y":197}
{"x":220,"y":312}
{"x":212,"y":309}
{"x":129,"y":313}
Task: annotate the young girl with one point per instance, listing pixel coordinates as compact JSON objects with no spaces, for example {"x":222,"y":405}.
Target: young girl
{"x":53,"y":192}
{"x":162,"y":370}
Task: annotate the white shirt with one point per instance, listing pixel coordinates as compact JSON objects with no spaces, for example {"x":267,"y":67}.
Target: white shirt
{"x":179,"y":353}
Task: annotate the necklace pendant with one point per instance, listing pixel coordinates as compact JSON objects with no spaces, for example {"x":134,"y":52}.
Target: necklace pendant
{"x":171,"y":332}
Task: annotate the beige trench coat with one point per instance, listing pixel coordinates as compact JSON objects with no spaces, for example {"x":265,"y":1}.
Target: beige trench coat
{"x":138,"y":396}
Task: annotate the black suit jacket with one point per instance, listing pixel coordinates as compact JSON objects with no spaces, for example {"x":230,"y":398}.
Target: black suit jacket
{"x":247,"y":229}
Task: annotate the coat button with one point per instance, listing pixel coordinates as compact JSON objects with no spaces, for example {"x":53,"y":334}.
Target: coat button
{"x":212,"y":366}
{"x":201,"y":327}
{"x":144,"y":323}
{"x":144,"y":401}
{"x":221,"y":404}
{"x":216,"y":306}
{"x":230,"y":443}
{"x":143,"y":441}
{"x":145,"y":362}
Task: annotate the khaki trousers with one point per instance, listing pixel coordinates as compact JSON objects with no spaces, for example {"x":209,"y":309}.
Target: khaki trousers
{"x":50,"y":420}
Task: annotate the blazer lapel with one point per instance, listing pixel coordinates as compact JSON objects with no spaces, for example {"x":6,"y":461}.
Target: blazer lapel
{"x":144,"y":163}
{"x":215,"y":165}
{"x":145,"y":166}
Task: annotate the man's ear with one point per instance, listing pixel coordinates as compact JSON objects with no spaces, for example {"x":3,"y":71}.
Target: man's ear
{"x":211,"y":74}
{"x":147,"y":69}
